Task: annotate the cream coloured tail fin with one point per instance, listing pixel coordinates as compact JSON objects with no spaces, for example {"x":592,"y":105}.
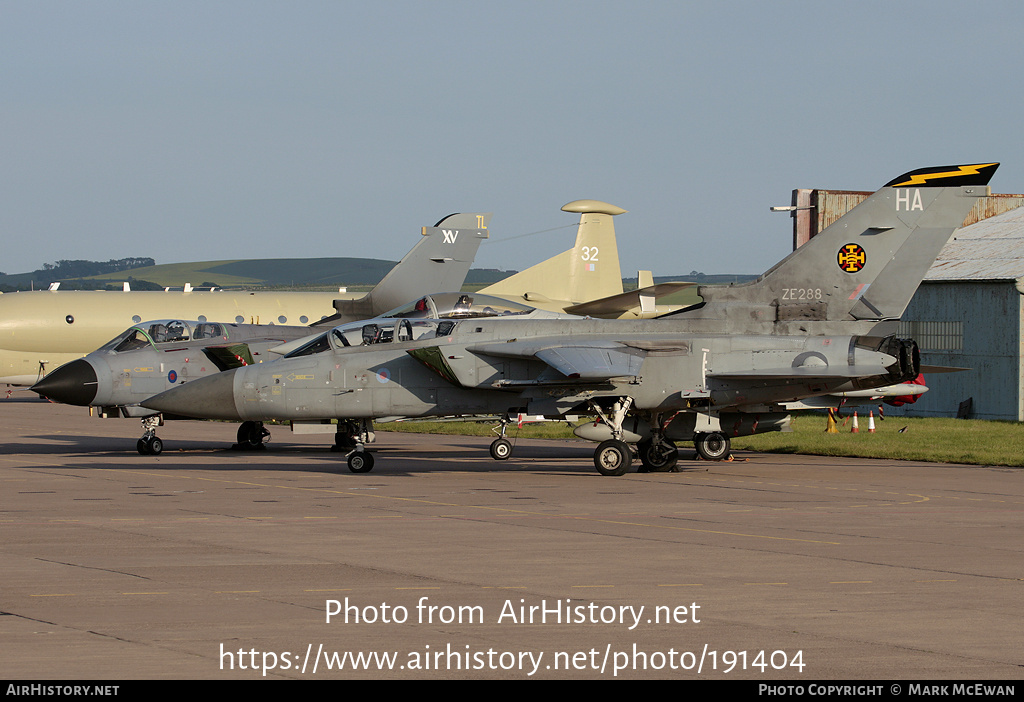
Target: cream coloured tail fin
{"x":588,"y":271}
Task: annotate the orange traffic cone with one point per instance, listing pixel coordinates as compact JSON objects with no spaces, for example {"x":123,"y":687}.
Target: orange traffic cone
{"x":856,"y":429}
{"x":871,"y":422}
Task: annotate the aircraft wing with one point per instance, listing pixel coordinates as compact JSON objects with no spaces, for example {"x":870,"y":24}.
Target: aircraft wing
{"x":642,"y":298}
{"x":589,"y":362}
{"x":592,"y":362}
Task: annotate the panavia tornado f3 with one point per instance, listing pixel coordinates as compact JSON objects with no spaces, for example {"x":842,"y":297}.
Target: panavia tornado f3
{"x":819,"y":322}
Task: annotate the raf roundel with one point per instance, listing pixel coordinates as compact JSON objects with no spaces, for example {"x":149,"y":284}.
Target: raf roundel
{"x":172,"y":377}
{"x":852,"y":258}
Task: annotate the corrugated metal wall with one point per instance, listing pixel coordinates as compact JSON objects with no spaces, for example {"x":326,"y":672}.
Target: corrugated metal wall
{"x":989,"y":313}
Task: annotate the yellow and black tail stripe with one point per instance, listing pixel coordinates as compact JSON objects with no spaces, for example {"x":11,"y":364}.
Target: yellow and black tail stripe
{"x":944,"y":176}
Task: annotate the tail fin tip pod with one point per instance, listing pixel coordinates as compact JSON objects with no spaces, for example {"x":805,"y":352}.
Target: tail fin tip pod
{"x":592,"y":207}
{"x":866,"y":265}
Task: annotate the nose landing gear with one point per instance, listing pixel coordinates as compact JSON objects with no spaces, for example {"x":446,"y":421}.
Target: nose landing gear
{"x":150,"y":444}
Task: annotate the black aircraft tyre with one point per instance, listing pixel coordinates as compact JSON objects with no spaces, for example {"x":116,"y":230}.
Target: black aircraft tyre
{"x":360,"y":462}
{"x":246,"y":431}
{"x":251,"y":434}
{"x":150,"y":446}
{"x":713,"y":446}
{"x":501,"y":449}
{"x":658,"y":459}
{"x":612,"y":457}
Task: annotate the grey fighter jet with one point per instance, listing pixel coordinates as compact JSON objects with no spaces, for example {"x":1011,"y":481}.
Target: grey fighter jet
{"x":153,"y":356}
{"x":821,"y":321}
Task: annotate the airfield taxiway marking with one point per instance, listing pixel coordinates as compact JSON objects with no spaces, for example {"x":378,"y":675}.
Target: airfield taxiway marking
{"x":145,"y":593}
{"x":681,"y":585}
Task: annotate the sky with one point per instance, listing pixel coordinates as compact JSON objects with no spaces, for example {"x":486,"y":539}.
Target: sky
{"x":227,"y":129}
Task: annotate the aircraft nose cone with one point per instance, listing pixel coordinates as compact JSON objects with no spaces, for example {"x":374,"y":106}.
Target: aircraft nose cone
{"x":73,"y":383}
{"x":212,"y":397}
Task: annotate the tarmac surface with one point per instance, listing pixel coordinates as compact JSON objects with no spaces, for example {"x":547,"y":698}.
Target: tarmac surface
{"x":207,"y":563}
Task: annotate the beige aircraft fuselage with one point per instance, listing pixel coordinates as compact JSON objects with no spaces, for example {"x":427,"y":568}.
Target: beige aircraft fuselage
{"x":42,"y":330}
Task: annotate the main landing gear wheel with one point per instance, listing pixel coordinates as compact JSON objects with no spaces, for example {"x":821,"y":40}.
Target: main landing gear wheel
{"x":251,"y":435}
{"x":612,"y":457}
{"x":501,"y":449}
{"x":713,"y":446}
{"x":150,"y":446}
{"x":360,"y":462}
{"x":658,"y":458}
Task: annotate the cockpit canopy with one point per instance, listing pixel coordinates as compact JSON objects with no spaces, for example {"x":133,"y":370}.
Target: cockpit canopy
{"x":375,"y":331}
{"x":163,"y":331}
{"x":429,"y":317}
{"x":458,"y":306}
